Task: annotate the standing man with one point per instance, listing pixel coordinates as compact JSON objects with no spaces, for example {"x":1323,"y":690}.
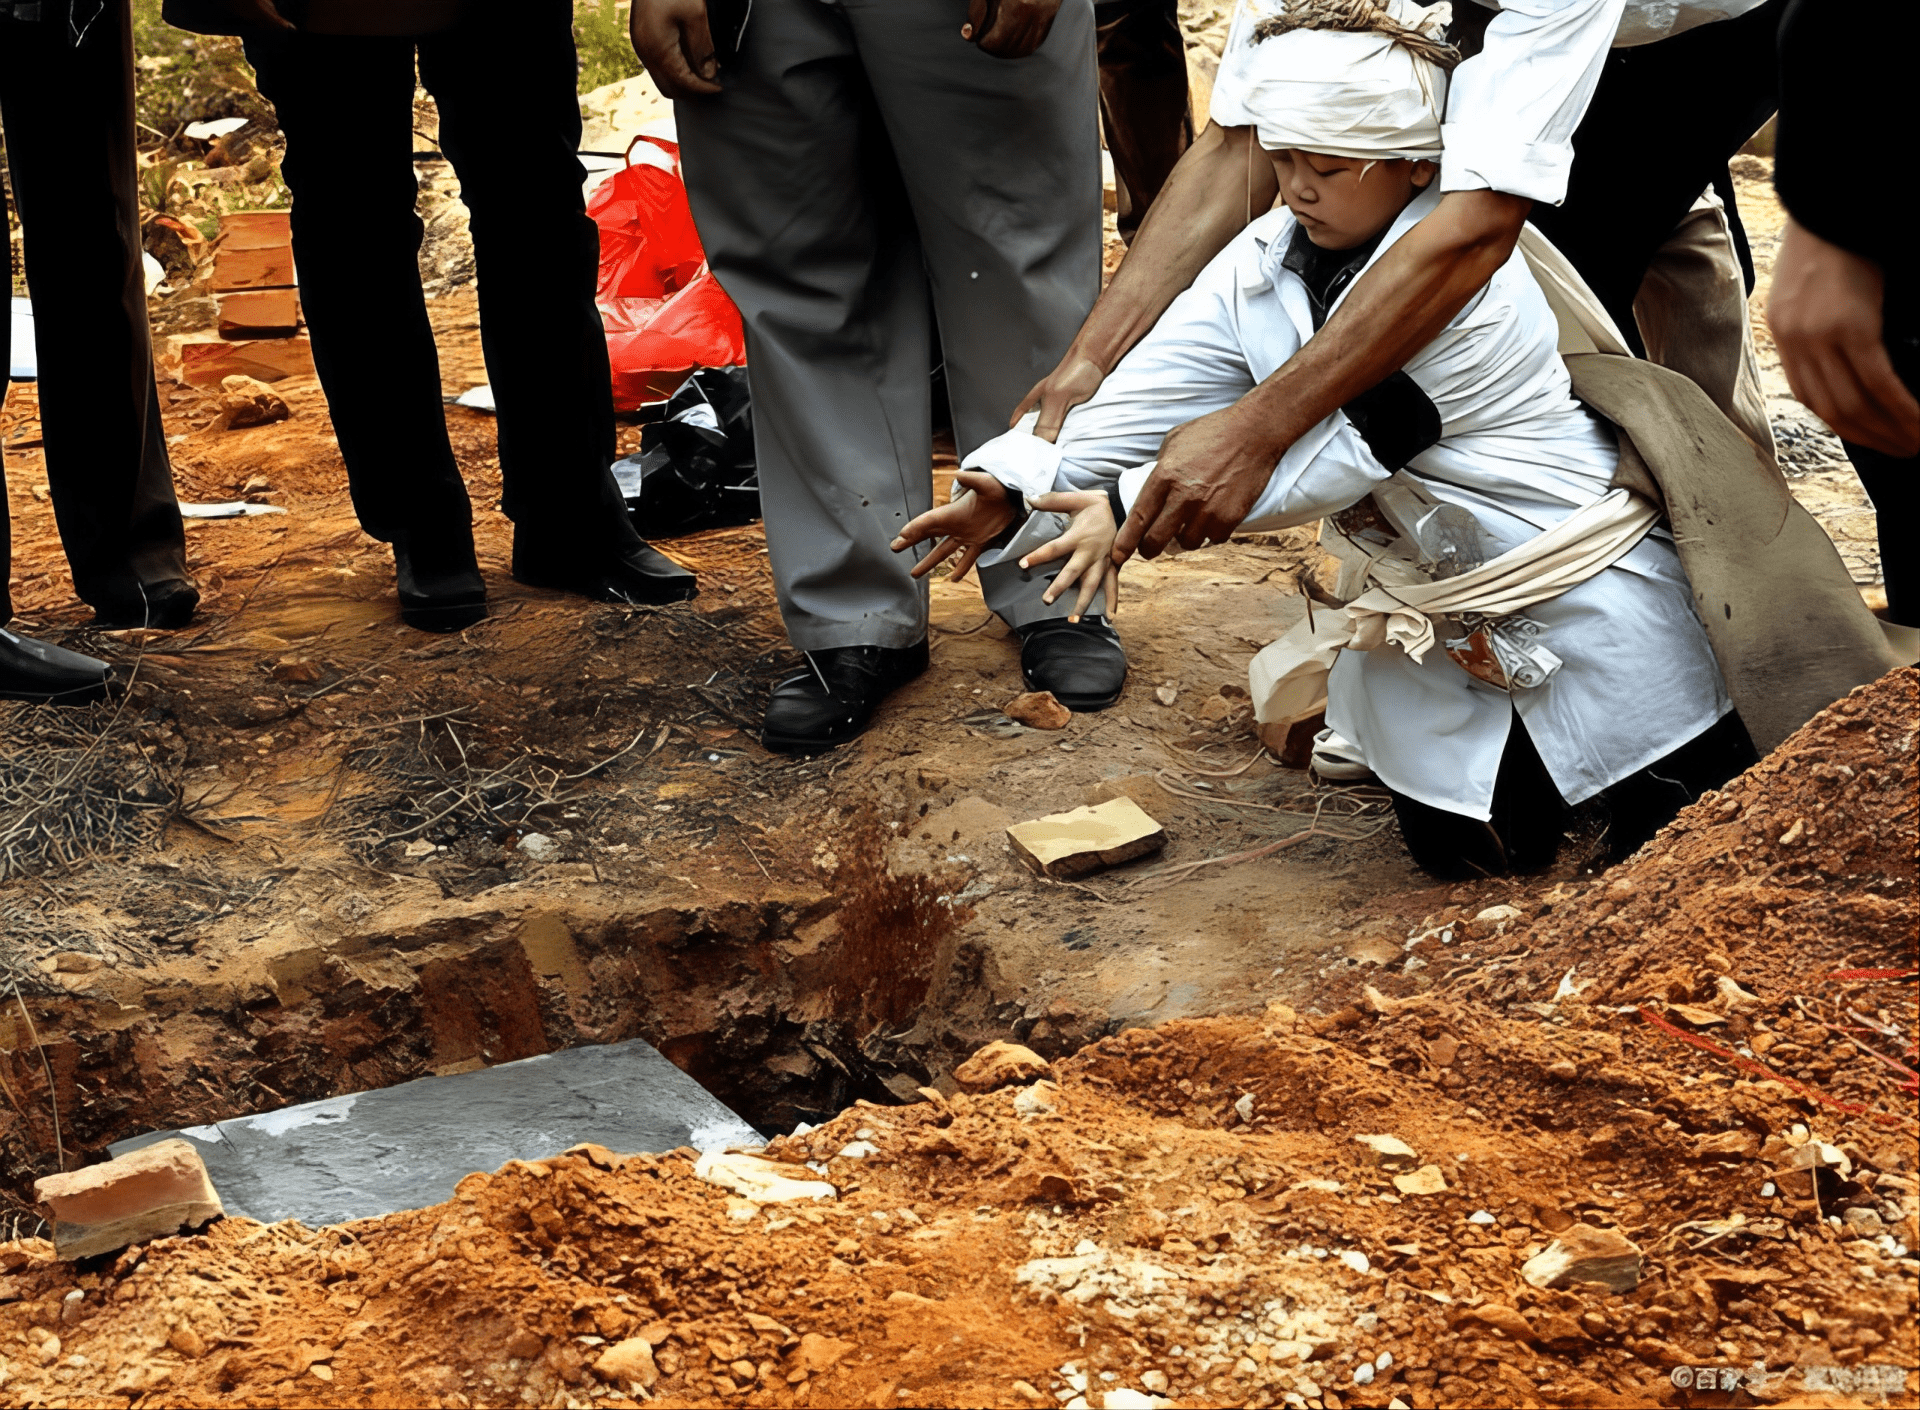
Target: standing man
{"x":1144,"y":108}
{"x":66,"y":101}
{"x":1662,"y":130}
{"x":855,"y":165}
{"x":341,"y":76}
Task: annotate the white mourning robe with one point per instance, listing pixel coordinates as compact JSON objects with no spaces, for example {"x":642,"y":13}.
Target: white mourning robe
{"x":1516,"y":450}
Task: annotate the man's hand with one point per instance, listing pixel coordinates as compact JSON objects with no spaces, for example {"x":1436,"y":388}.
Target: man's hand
{"x":1075,"y":380}
{"x":1209,"y":475}
{"x":260,"y":12}
{"x":1009,"y":29}
{"x":674,"y":46}
{"x":965,"y":524}
{"x":1826,"y":320}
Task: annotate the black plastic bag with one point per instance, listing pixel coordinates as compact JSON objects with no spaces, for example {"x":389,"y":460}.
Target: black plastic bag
{"x":695,"y":468}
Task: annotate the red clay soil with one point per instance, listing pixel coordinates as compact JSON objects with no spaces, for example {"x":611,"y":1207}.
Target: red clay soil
{"x":1186,"y":1209}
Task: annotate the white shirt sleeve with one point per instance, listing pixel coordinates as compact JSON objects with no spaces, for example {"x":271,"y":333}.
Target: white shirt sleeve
{"x":1512,"y":108}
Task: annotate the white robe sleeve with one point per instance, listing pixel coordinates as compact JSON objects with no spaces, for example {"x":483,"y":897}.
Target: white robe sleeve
{"x":1512,"y":108}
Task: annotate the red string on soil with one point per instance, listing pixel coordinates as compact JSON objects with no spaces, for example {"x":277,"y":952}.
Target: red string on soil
{"x":1749,"y":1065}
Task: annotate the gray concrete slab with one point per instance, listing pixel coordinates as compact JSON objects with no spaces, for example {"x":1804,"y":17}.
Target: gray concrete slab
{"x":406,"y":1147}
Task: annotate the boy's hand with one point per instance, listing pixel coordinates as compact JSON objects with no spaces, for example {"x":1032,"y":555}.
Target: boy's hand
{"x":965,"y":524}
{"x":674,"y":46}
{"x":1087,"y":545}
{"x":1009,"y":29}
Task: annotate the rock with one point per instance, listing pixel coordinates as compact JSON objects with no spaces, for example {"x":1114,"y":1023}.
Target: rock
{"x":1585,"y":1254}
{"x":151,"y":1193}
{"x":1155,"y":1381}
{"x":817,"y":1353}
{"x":1493,"y":917}
{"x":1865,"y":1222}
{"x":1505,"y":1320}
{"x":77,"y":962}
{"x":419,"y":847}
{"x":1363,"y":1374}
{"x":538,"y":847}
{"x":295,"y":670}
{"x":628,"y":1362}
{"x":1565,"y":1070}
{"x":1355,"y":1260}
{"x":1443,"y":1049}
{"x":1390,"y":1152}
{"x":1039,"y":710}
{"x":185,"y":1340}
{"x":1125,"y":1398}
{"x":524,"y":1345}
{"x":1030,"y":1393}
{"x":1480,"y":1217}
{"x":760,"y":1180}
{"x":1166,"y":694}
{"x":1036,"y":1100}
{"x":1737,"y":1144}
{"x":1243,"y":1108}
{"x":1694,"y":1016}
{"x":1000,"y":1064}
{"x":1427,"y":1180}
{"x":1086,"y":839}
{"x":1732,"y":995}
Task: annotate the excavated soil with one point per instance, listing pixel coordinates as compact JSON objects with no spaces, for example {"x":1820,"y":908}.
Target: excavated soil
{"x":1186,"y":1208}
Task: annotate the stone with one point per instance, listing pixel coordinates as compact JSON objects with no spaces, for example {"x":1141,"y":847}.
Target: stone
{"x":538,"y":847}
{"x":1565,"y":1070}
{"x":1494,"y":917}
{"x":185,"y":1340}
{"x":1390,"y":1152}
{"x":1000,"y":1064}
{"x":419,"y":847}
{"x":1427,"y":1180}
{"x":1355,"y":1260}
{"x":1126,"y":1398}
{"x":1038,"y":710}
{"x":1029,"y":1392}
{"x":817,"y":1353}
{"x":1505,"y":1320}
{"x":147,"y":1194}
{"x":247,"y":401}
{"x":1694,"y":1016}
{"x":759,"y":1180}
{"x":628,"y":1362}
{"x":408,"y":1146}
{"x":1585,"y":1254}
{"x":1443,"y":1050}
{"x":259,"y":313}
{"x":1166,"y":694}
{"x":1087,"y":839}
{"x":296,"y":670}
{"x":1863,"y":1221}
{"x":1155,"y":1381}
{"x":1243,"y":1108}
{"x":524,"y":1345}
{"x":1732,"y":995}
{"x":1735,"y":1145}
{"x":77,"y":962}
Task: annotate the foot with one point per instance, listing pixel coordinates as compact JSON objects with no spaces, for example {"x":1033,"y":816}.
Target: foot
{"x":1081,"y":662}
{"x":1338,"y":759}
{"x":831,"y":700}
{"x":48,"y":675}
{"x":161,"y":606}
{"x":441,"y":589}
{"x":643,"y":576}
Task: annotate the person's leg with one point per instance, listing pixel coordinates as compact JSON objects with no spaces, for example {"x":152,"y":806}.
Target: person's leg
{"x":1642,"y":803}
{"x":1144,"y":108}
{"x":504,"y":80}
{"x":1662,"y":126}
{"x":73,"y":175}
{"x":1893,"y":484}
{"x":798,"y":202}
{"x":1529,"y":820}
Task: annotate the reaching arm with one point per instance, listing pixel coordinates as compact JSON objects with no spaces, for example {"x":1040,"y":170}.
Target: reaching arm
{"x":1211,"y":471}
{"x":1220,"y":183}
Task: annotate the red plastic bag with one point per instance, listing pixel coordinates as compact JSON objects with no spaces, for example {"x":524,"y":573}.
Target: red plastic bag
{"x":664,"y":312}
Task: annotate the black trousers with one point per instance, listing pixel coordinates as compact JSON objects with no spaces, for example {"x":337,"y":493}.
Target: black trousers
{"x":1530,"y":818}
{"x":1664,"y":123}
{"x":503,"y":79}
{"x":1144,"y":109}
{"x":68,"y":115}
{"x":1894,"y":484}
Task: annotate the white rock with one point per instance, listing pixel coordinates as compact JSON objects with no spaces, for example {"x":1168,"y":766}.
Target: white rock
{"x":1154,"y":1380}
{"x":538,"y":847}
{"x":1480,"y":1216}
{"x":1245,"y":1108}
{"x":1355,"y":1259}
{"x":1363,"y":1374}
{"x":857,"y":1150}
{"x":1383,"y":1360}
{"x":763,"y":1181}
{"x":1122,"y":1398}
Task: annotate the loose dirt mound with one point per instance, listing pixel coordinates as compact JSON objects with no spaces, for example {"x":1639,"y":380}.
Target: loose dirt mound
{"x":1187,"y":1209}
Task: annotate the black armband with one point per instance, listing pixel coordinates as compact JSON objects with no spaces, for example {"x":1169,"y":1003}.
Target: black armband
{"x":1396,"y":419}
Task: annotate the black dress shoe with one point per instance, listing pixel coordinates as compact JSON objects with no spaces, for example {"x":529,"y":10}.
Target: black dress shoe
{"x":48,"y":675}
{"x":1081,"y":662}
{"x":831,"y":700}
{"x":441,"y":589}
{"x":161,"y":606}
{"x":643,"y":576}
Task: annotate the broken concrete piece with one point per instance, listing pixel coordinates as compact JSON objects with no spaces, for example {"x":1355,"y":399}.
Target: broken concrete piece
{"x":150,"y":1194}
{"x":1427,"y":1180}
{"x":760,"y":1180}
{"x":247,"y":401}
{"x":628,"y":1362}
{"x":1086,"y":839}
{"x":1584,"y":1254}
{"x":1000,"y":1064}
{"x":259,"y":313}
{"x":1038,"y":710}
{"x":1390,"y":1152}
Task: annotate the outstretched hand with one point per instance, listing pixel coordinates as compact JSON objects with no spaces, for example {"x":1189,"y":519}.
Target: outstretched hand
{"x":674,"y":45}
{"x":1075,"y":380}
{"x":966,"y":524}
{"x":1208,"y":478}
{"x":1087,"y":545}
{"x":1009,"y":29}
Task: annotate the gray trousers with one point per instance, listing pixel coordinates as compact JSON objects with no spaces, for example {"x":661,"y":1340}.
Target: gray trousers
{"x":866,"y":168}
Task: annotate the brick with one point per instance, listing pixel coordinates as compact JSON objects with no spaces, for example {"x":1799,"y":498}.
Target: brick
{"x":259,"y":313}
{"x":206,"y":361}
{"x":252,"y":269}
{"x":1085,"y":839}
{"x":256,"y":230}
{"x":149,"y":1194}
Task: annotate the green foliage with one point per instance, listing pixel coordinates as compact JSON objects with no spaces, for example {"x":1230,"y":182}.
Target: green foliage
{"x":600,"y":34}
{"x":181,"y":78}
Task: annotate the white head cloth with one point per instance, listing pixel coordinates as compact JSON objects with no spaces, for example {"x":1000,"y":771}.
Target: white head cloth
{"x":1346,"y":93}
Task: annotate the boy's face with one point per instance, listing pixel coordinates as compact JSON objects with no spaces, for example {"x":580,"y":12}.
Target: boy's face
{"x":1343,"y":201}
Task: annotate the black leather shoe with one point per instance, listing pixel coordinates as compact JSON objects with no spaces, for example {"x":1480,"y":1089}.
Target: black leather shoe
{"x":48,"y":675}
{"x":643,"y":576}
{"x":162,"y":606}
{"x":831,"y":700}
{"x":441,"y":589}
{"x":1081,"y":662}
